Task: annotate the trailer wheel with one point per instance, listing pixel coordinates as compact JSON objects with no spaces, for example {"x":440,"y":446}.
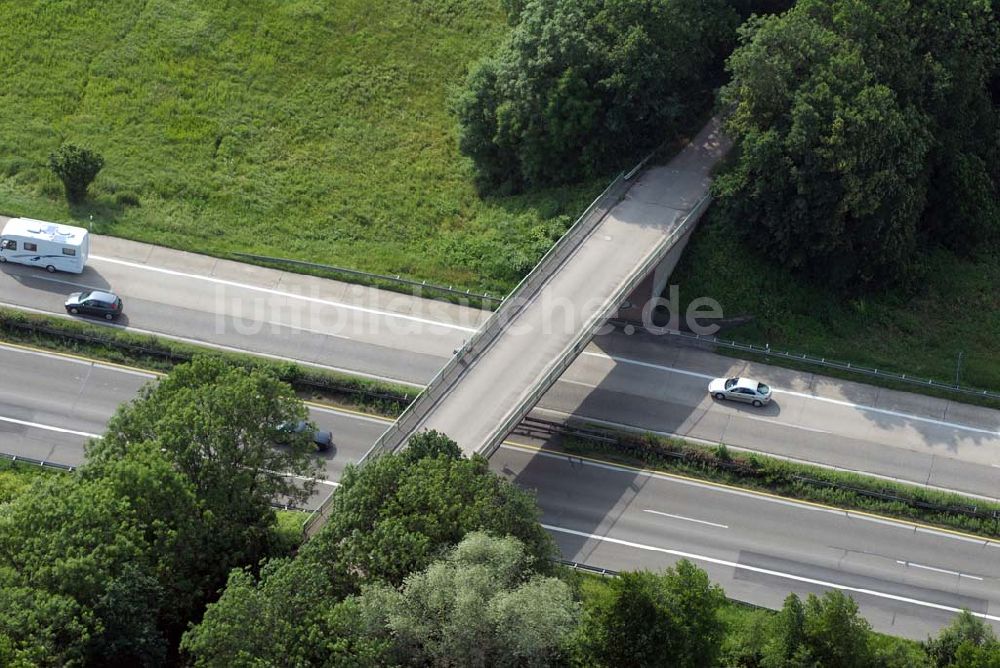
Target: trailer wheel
{"x":50,"y":269}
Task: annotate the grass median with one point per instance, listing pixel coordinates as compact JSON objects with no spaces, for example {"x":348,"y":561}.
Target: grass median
{"x":792,"y":480}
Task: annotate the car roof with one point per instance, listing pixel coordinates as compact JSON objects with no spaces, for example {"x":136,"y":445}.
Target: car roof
{"x":748,"y":383}
{"x":100,"y":295}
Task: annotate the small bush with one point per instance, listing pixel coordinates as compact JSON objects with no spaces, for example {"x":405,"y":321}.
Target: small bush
{"x":77,"y":168}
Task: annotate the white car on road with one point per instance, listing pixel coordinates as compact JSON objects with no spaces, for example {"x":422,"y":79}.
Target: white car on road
{"x":746,"y":390}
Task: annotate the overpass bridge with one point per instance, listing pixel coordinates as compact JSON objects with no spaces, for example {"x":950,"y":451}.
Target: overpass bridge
{"x":632,"y":234}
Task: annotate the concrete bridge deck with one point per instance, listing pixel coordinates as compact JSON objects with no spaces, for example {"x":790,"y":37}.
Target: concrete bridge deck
{"x":491,"y":386}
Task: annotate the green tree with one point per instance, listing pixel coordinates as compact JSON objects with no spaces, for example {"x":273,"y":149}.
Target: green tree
{"x":654,"y":619}
{"x":393,"y":516}
{"x":482,"y":605}
{"x":217,"y":424}
{"x":290,"y":616}
{"x":787,"y":644}
{"x":967,"y":642}
{"x":77,"y":168}
{"x":584,"y":86}
{"x":825,"y":631}
{"x":66,"y":548}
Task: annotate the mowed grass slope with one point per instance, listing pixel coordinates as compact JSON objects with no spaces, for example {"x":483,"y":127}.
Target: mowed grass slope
{"x":955,"y":309}
{"x":310,"y":129}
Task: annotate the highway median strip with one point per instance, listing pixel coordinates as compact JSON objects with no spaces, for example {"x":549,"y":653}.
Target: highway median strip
{"x":793,"y":480}
{"x":158,"y":354}
{"x":786,"y":479}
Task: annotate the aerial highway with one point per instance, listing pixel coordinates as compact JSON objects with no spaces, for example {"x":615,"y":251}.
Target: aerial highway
{"x":908,"y":580}
{"x":639,"y":381}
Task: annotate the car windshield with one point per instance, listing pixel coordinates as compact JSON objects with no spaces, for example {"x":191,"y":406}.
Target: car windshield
{"x":731,"y":383}
{"x":763,"y":389}
{"x":85,"y":295}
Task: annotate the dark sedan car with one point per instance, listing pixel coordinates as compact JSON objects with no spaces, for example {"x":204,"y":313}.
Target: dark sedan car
{"x":322,"y":439}
{"x":95,"y":302}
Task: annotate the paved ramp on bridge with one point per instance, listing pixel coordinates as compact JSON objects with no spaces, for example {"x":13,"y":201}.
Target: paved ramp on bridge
{"x":491,"y":384}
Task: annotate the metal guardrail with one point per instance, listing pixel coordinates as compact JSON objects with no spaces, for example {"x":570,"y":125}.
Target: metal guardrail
{"x":374,"y":278}
{"x":637,"y":445}
{"x":766,"y":350}
{"x":303,"y":381}
{"x":596,"y":570}
{"x":586,"y":333}
{"x":521,"y":295}
{"x":18,"y":459}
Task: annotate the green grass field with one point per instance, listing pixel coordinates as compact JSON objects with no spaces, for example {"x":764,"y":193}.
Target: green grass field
{"x":309,"y":129}
{"x":956,"y":309}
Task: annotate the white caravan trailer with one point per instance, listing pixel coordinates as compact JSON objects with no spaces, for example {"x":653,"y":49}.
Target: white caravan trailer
{"x":42,"y":244}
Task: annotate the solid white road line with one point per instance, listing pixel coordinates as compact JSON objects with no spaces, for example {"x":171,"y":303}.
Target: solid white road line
{"x":77,"y":360}
{"x":48,"y":427}
{"x":802,"y":395}
{"x":768,"y":571}
{"x":938,"y":570}
{"x":282,"y":293}
{"x":686,"y":519}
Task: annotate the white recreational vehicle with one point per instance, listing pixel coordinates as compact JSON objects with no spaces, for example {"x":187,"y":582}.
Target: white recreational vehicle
{"x":42,"y":244}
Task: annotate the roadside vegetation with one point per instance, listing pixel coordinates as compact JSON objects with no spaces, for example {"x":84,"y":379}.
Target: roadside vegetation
{"x":954,"y":311}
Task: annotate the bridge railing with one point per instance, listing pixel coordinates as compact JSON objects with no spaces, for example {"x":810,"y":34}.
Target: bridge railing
{"x":525,"y":291}
{"x":586,"y":333}
{"x":394,"y":437}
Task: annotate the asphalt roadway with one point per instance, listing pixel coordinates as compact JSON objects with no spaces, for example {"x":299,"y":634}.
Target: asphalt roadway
{"x":638,"y":381}
{"x":908,"y":580}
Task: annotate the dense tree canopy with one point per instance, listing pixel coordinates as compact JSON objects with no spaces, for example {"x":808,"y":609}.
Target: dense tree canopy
{"x":967,"y":643}
{"x":217,"y":424}
{"x":109,"y":566}
{"x":582,"y":86}
{"x":482,"y":605}
{"x":864,"y":132}
{"x":392,"y":517}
